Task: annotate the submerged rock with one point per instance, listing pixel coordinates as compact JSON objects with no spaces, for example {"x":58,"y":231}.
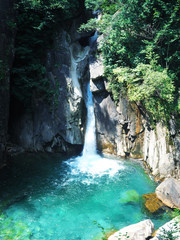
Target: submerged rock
{"x":138,"y":231}
{"x":130,"y":196}
{"x":152,"y":203}
{"x":169,"y":192}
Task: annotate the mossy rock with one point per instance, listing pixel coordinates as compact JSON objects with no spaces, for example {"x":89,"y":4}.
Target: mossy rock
{"x":152,"y":203}
{"x":130,"y":196}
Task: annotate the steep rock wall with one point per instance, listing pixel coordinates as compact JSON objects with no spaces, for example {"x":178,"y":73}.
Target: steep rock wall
{"x":59,"y":125}
{"x":124,"y":130}
{"x":7,"y":33}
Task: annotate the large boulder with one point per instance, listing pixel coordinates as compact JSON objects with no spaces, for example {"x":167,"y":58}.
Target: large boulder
{"x":170,"y":230}
{"x":138,"y":231}
{"x":169,"y":192}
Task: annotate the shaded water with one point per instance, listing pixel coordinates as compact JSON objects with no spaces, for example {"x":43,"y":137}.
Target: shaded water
{"x":60,"y":199}
{"x":77,"y":198}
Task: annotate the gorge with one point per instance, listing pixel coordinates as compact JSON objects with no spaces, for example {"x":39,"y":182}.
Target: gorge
{"x":66,"y":153}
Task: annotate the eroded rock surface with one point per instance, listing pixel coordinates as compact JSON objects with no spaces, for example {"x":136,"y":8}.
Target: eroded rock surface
{"x":59,"y":124}
{"x":169,"y":192}
{"x":170,"y":230}
{"x":152,"y":203}
{"x":124,"y":130}
{"x":138,"y":231}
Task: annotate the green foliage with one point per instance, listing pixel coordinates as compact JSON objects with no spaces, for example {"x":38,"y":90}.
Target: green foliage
{"x":150,"y":85}
{"x":142,"y":34}
{"x":15,"y":231}
{"x":171,"y":233}
{"x":175,"y":213}
{"x":37,"y":21}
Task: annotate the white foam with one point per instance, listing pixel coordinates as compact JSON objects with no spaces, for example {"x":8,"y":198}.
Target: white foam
{"x":95,"y":166}
{"x":90,"y":163}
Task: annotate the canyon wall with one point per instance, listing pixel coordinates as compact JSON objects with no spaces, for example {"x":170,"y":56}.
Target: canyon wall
{"x":59,"y":124}
{"x":124,"y":130}
{"x":7,"y":33}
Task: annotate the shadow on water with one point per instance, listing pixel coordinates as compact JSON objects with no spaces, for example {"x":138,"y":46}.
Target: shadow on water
{"x":26,"y":174}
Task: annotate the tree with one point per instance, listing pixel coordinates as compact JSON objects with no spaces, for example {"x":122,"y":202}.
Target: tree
{"x":141,"y":33}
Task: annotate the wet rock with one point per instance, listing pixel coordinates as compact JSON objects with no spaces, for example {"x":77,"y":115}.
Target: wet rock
{"x":152,"y":203}
{"x":138,"y":231}
{"x":169,"y":192}
{"x":130,"y":196}
{"x":97,"y":85}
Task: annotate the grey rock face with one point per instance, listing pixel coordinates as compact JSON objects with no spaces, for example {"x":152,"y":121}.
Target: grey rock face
{"x":138,"y":231}
{"x":117,"y":126}
{"x":97,"y":69}
{"x":6,"y":58}
{"x":58,"y":126}
{"x":157,"y":151}
{"x":169,"y":192}
{"x":124,"y":130}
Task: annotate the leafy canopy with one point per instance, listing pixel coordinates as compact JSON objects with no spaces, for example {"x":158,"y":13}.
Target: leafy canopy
{"x":141,"y":46}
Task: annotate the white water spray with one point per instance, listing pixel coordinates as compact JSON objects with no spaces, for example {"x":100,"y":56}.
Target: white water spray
{"x":90,"y":136}
{"x":90,"y":162}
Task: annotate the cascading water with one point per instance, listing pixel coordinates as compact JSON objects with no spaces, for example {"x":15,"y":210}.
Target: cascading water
{"x":90,"y":137}
{"x":89,"y":162}
{"x":72,"y":199}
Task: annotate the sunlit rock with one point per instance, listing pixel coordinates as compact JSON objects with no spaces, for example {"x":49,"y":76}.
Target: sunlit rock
{"x":158,"y":152}
{"x":169,"y":192}
{"x":138,"y":231}
{"x":96,"y":69}
{"x":152,"y":203}
{"x":170,"y":230}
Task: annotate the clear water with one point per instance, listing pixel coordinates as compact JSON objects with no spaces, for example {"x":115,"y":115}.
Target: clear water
{"x":65,"y":199}
{"x":76,"y":198}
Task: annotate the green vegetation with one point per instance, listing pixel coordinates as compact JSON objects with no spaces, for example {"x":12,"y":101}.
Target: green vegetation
{"x":37,"y":21}
{"x":14,"y":231}
{"x":171,"y":233}
{"x":175,"y":213}
{"x":130,"y":196}
{"x":140,"y":47}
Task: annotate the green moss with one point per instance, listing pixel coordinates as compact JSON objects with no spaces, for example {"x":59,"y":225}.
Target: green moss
{"x":13,"y":230}
{"x":130,"y":196}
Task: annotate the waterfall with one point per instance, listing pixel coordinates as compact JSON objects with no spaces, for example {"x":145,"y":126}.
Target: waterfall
{"x":78,"y":54}
{"x":89,"y":162}
{"x":90,"y":136}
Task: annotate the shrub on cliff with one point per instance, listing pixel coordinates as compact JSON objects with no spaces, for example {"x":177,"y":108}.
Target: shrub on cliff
{"x":142,"y":34}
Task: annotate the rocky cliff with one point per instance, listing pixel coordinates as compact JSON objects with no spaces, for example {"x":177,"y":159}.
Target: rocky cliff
{"x":58,"y":125}
{"x":7,"y":33}
{"x":124,"y":130}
